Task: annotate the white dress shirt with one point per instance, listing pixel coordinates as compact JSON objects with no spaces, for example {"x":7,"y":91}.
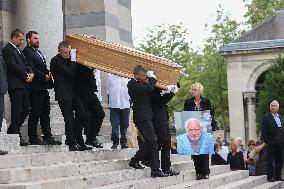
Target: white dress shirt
{"x":99,"y":85}
{"x":118,"y":92}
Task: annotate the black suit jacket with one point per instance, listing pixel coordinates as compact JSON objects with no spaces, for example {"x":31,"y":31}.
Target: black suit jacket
{"x":160,"y":107}
{"x":39,"y":68}
{"x":17,"y":67}
{"x":205,"y":104}
{"x":3,"y":77}
{"x":140,"y":94}
{"x":63,"y":71}
{"x":85,"y":82}
{"x":269,"y":128}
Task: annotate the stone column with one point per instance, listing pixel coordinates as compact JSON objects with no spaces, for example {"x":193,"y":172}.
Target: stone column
{"x":45,"y":17}
{"x":249,"y":98}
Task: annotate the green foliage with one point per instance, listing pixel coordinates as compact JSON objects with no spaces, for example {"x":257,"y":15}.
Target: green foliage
{"x":260,"y":10}
{"x":210,"y":69}
{"x":206,"y":67}
{"x":274,"y":90}
{"x":168,"y":41}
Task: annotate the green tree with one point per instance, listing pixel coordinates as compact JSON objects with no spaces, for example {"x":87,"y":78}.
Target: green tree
{"x":169,"y":41}
{"x":260,"y":10}
{"x":273,"y":90}
{"x":214,"y":67}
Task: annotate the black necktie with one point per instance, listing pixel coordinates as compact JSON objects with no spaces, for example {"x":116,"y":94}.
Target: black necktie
{"x":40,"y":55}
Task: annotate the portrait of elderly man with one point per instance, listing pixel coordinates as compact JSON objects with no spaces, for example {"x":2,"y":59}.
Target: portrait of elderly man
{"x":194,"y":141}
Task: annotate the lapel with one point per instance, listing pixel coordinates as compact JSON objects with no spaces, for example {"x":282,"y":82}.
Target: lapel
{"x":40,"y":56}
{"x":273,"y":120}
{"x":18,"y":52}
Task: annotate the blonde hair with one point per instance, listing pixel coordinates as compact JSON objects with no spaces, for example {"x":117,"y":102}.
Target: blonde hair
{"x":197,"y":86}
{"x":233,"y":144}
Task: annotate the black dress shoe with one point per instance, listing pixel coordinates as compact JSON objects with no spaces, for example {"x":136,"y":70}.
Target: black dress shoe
{"x":37,"y":142}
{"x":75,"y":147}
{"x":270,"y":180}
{"x":85,"y":147}
{"x":114,"y":146}
{"x":171,"y":172}
{"x":95,"y":144}
{"x":23,"y":143}
{"x":51,"y":141}
{"x":158,"y":173}
{"x":198,"y":176}
{"x":205,"y":176}
{"x":279,"y":179}
{"x":2,"y":152}
{"x":123,"y":146}
{"x":146,"y":163}
{"x":135,"y":165}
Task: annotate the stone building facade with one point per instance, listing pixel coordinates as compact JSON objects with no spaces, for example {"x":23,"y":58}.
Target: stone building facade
{"x":247,"y":60}
{"x":107,"y":19}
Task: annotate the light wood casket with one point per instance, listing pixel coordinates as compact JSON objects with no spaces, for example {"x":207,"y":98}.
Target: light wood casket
{"x":119,"y":60}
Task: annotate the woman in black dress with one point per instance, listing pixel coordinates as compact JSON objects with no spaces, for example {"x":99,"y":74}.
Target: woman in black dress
{"x":199,"y":103}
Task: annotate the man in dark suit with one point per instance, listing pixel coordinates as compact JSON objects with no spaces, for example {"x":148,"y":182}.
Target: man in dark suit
{"x":85,"y":88}
{"x":3,"y":90}
{"x":160,"y":98}
{"x":271,"y":123}
{"x":38,"y":93}
{"x":19,"y":74}
{"x":140,"y":88}
{"x":63,"y":68}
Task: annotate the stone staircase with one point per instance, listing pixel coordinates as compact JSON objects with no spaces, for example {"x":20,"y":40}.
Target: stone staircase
{"x":54,"y":167}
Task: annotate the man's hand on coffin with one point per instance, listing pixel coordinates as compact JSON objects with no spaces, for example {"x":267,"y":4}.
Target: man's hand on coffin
{"x":73,"y":54}
{"x":174,"y":89}
{"x":151,"y":74}
{"x":166,"y":91}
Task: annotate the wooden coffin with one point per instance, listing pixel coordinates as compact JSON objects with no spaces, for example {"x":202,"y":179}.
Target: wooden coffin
{"x":119,"y":60}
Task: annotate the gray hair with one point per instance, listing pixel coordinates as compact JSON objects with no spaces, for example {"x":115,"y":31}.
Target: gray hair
{"x":191,"y":120}
{"x":63,"y":44}
{"x":275,"y":102}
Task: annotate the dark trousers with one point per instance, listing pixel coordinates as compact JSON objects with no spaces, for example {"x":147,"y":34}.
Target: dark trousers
{"x":20,"y":107}
{"x":201,"y":164}
{"x":162,"y":132}
{"x":119,"y":119}
{"x":148,"y":150}
{"x":40,"y":110}
{"x":1,"y":109}
{"x":95,"y":114}
{"x":81,"y":119}
{"x":71,"y":129}
{"x":274,"y":161}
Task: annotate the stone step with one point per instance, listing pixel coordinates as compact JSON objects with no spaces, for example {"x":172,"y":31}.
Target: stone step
{"x":270,"y":185}
{"x":33,"y":173}
{"x":247,"y":183}
{"x":213,"y":181}
{"x":30,"y":149}
{"x":153,"y":183}
{"x":42,"y":159}
{"x":9,"y":142}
